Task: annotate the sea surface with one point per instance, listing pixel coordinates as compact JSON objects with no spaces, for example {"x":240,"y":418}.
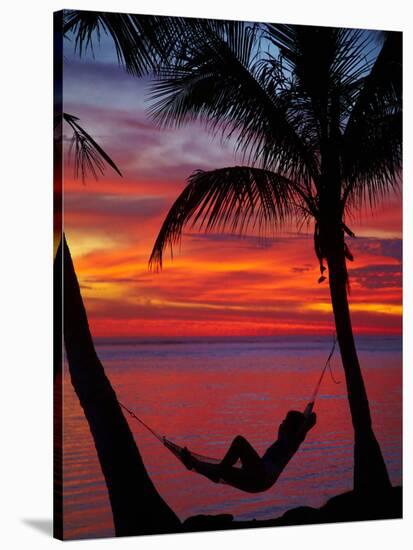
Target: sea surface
{"x":202,"y":393}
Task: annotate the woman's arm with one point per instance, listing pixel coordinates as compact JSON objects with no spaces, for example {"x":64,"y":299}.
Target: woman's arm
{"x":281,"y":452}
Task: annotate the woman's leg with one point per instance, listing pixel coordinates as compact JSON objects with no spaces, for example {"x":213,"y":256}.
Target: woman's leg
{"x":252,"y":477}
{"x":248,"y":478}
{"x":211,"y":471}
{"x":241,"y":449}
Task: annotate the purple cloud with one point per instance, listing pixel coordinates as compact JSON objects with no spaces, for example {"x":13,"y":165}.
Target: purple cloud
{"x":377,"y":276}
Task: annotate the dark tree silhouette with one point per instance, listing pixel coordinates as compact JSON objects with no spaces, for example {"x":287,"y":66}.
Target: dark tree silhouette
{"x":317,"y":118}
{"x":136,"y":505}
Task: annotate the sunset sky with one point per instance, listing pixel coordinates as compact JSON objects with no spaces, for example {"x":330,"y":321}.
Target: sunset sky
{"x":217,"y":284}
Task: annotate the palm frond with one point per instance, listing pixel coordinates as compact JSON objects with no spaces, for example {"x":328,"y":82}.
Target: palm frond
{"x":223,"y":83}
{"x":325,"y":63}
{"x":382,"y":87}
{"x":372,"y":142}
{"x":89,"y":157}
{"x":373,"y":161}
{"x":141,"y":41}
{"x":235,"y":198}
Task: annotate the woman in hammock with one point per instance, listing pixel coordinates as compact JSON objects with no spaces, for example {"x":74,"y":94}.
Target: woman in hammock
{"x":256,"y":473}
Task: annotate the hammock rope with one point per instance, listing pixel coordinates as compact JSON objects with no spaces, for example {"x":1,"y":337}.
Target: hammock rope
{"x":326,"y":365}
{"x":177,"y":449}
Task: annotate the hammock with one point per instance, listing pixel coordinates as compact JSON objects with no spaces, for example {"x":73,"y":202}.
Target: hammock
{"x":178,"y":450}
{"x":170,"y":445}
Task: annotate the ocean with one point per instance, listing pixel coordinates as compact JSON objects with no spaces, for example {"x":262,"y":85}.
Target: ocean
{"x":203,"y":392}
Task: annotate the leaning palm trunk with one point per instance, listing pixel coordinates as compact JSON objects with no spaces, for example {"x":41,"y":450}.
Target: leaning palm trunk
{"x":370,"y":472}
{"x":136,"y":505}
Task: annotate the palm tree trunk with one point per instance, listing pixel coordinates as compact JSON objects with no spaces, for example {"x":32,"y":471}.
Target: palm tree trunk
{"x":137,"y":507}
{"x":370,"y":472}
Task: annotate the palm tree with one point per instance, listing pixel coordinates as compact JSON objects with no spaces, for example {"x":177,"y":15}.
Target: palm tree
{"x":137,"y":507}
{"x":316,"y":114}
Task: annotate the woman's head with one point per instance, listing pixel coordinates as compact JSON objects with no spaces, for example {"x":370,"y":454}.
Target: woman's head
{"x":291,"y":423}
{"x":294,"y":422}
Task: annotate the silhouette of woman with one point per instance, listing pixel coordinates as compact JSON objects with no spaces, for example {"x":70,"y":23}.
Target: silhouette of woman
{"x":256,"y":474}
